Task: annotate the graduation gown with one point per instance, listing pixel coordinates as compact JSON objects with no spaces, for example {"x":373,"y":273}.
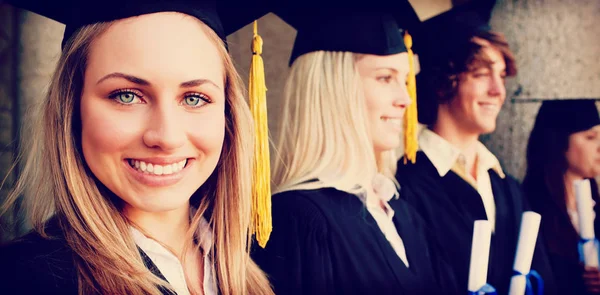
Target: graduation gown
{"x":325,"y":241}
{"x":40,"y":266}
{"x":561,"y":238}
{"x":450,"y":206}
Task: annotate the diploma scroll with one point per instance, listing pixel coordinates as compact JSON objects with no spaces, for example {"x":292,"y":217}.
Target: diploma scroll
{"x":520,"y":283}
{"x":480,"y":254}
{"x":588,"y":245}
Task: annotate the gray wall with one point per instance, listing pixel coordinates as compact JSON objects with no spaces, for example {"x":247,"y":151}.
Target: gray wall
{"x":7,"y":91}
{"x":557,"y":47}
{"x":29,"y":50}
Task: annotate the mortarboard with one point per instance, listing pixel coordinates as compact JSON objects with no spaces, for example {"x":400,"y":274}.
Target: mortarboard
{"x":569,"y":115}
{"x":377,"y":29}
{"x":442,"y":39}
{"x":451,"y":30}
{"x":330,"y":27}
{"x":223,"y":17}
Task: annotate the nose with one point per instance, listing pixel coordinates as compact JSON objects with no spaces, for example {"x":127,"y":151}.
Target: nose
{"x":402,"y":98}
{"x":164,"y":130}
{"x":496,"y":86}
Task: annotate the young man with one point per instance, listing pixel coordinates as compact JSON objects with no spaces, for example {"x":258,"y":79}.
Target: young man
{"x":456,"y":179}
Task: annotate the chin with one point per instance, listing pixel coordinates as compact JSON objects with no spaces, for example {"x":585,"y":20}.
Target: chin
{"x":486,"y":127}
{"x":161,"y":202}
{"x":156,"y":207}
{"x":386,"y":146}
{"x":592,"y":173}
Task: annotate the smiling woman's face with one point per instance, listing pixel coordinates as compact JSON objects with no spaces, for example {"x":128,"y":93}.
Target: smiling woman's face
{"x":153,"y":110}
{"x":384,"y":82}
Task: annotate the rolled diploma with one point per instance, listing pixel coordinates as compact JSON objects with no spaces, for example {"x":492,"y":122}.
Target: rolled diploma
{"x":585,"y":209}
{"x":530,"y":226}
{"x":480,"y":254}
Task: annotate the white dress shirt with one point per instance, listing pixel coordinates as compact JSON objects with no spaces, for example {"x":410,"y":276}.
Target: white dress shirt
{"x":170,"y":266}
{"x":385,"y":190}
{"x":445,"y":157}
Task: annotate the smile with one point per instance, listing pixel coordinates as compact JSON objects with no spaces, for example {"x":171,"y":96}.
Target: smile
{"x":394,"y":121}
{"x":489,"y":106}
{"x":157,"y":169}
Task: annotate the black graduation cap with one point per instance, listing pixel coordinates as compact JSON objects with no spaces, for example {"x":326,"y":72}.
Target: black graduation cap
{"x":450,"y":31}
{"x":325,"y":25}
{"x":441,"y":40}
{"x":224,"y":17}
{"x":570,"y":115}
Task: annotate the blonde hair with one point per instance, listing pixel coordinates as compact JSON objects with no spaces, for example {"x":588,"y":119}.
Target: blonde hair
{"x":324,"y":138}
{"x":56,"y":181}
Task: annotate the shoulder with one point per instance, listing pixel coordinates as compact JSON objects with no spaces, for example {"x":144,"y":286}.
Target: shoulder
{"x":310,"y":207}
{"x":46,"y":260}
{"x":313,"y":202}
{"x":411,"y":172}
{"x":510,"y":181}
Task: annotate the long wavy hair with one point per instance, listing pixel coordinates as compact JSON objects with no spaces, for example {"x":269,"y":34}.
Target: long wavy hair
{"x":56,"y":181}
{"x":324,"y":138}
{"x":546,"y":167}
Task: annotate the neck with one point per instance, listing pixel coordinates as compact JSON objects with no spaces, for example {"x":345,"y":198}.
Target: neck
{"x":569,"y":179}
{"x":465,"y":141}
{"x":168,"y":227}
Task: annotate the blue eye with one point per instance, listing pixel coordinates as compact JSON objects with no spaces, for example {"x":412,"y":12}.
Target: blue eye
{"x":125,"y":96}
{"x":196,"y":100}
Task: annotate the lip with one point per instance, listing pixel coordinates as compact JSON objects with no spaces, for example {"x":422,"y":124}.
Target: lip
{"x":158,"y":180}
{"x":489,"y":107}
{"x":160,"y":160}
{"x":396,"y":127}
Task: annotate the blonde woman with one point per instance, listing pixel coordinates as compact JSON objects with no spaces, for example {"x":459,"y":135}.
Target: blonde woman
{"x":138,"y":178}
{"x":339,"y":226}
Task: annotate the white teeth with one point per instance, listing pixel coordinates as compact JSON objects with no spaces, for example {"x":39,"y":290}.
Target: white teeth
{"x":395,"y":121}
{"x":168,"y":169}
{"x":156,"y":169}
{"x":490,"y":107}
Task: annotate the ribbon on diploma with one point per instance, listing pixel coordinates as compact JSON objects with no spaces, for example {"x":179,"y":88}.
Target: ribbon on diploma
{"x":487,"y":289}
{"x":582,"y":242}
{"x":532,"y":275}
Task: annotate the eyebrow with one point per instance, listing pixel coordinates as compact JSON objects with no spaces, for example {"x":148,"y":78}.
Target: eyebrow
{"x":130,"y":78}
{"x":386,"y":68}
{"x":198,"y":82}
{"x":140,"y":81}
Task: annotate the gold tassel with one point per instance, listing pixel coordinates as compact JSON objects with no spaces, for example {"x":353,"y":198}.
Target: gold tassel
{"x":411,"y":143}
{"x":261,"y":189}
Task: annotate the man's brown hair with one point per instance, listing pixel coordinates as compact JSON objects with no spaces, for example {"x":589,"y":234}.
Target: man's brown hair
{"x":439,"y":78}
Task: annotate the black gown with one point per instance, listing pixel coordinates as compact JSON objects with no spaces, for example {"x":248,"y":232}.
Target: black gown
{"x":325,"y":241}
{"x":450,"y":206}
{"x":561,"y":240}
{"x":36,"y":265}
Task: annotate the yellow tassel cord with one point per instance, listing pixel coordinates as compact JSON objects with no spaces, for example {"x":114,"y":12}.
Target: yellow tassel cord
{"x":410,"y":117}
{"x":261,"y":190}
